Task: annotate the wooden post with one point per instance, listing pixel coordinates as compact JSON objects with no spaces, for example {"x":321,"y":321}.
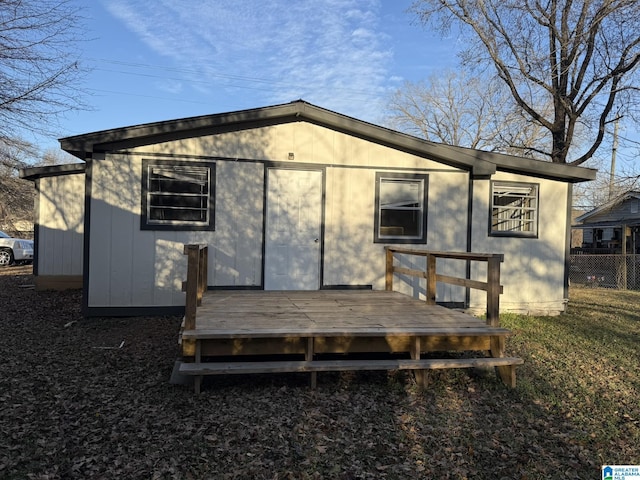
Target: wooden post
{"x":191,"y":302}
{"x":430,"y":291}
{"x":309,"y":357}
{"x":506,"y":373}
{"x":624,"y":257}
{"x":420,"y":375}
{"x":493,"y":290}
{"x":203,"y":260}
{"x":388,"y":274}
{"x":197,"y":381}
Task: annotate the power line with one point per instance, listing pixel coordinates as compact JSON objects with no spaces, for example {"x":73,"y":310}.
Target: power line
{"x":278,"y":85}
{"x":154,"y":97}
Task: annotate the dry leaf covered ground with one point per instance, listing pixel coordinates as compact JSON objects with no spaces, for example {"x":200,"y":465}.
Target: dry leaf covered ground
{"x":73,"y":405}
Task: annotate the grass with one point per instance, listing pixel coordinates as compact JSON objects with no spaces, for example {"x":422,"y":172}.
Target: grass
{"x":585,"y":366}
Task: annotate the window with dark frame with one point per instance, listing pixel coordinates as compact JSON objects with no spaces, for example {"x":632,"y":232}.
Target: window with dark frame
{"x":514,"y":209}
{"x":177,"y":195}
{"x":401,"y":208}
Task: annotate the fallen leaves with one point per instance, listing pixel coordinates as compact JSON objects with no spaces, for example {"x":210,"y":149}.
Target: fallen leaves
{"x":73,"y":411}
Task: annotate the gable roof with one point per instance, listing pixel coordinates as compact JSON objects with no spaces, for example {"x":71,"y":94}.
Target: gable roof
{"x":605,"y":207}
{"x":480,"y":163}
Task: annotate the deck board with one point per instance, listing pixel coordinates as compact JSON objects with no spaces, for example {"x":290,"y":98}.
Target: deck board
{"x":325,"y":311}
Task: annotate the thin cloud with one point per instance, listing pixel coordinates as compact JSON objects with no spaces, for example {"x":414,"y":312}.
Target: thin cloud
{"x":170,"y":86}
{"x":329,"y":52}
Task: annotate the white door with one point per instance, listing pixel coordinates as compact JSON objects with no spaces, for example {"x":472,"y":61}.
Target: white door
{"x":293,"y":230}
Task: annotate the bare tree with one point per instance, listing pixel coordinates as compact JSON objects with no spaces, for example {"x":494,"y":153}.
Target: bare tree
{"x":578,"y":56}
{"x":39,"y":66}
{"x":39,"y":80}
{"x":458,"y":109}
{"x":53,"y":156}
{"x":16,"y":195}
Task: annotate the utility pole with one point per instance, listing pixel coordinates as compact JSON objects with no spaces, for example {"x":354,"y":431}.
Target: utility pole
{"x":613,"y":156}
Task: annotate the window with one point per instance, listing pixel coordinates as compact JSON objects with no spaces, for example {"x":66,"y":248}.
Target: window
{"x":401,"y":208}
{"x":177,"y":195}
{"x":514,"y":209}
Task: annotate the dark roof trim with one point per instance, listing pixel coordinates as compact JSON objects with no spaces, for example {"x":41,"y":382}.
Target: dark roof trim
{"x":629,"y":222}
{"x":481,"y":164}
{"x":34,"y":173}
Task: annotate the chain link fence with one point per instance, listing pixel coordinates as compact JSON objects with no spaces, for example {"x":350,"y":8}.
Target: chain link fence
{"x":606,"y":271}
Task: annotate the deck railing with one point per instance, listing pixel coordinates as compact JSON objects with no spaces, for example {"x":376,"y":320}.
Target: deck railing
{"x":196,"y":284}
{"x":491,"y":285}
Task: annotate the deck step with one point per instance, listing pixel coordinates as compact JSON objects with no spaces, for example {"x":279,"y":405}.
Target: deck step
{"x":228,"y":368}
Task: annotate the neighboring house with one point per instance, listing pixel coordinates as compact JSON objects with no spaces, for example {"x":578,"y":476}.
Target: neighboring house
{"x":613,"y":227}
{"x":293,"y":196}
{"x":576,"y":233}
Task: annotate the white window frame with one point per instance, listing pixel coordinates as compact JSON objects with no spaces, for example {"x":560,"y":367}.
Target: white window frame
{"x":515,"y":208}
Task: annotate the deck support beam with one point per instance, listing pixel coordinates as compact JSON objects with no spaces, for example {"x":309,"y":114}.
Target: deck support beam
{"x":197,"y":380}
{"x":420,"y":375}
{"x":309,"y":357}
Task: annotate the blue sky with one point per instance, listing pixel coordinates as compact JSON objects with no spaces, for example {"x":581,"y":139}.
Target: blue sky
{"x":153,"y":60}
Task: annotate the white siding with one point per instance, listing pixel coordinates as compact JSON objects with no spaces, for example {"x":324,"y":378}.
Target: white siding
{"x":350,"y":255}
{"x":236,"y":250}
{"x":130,"y":267}
{"x":533,"y":270}
{"x":307,"y":142}
{"x":61,"y":225}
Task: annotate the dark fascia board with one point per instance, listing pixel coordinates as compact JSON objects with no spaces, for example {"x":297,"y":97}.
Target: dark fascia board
{"x":33,"y":173}
{"x":397,"y":140}
{"x":149,"y":133}
{"x":538,"y":168}
{"x":608,"y":205}
{"x":629,"y":222}
{"x":480,"y":163}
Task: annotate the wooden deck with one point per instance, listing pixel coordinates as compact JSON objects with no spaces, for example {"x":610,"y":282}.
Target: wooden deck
{"x":348,"y":321}
{"x":308,"y":329}
{"x":336,"y":312}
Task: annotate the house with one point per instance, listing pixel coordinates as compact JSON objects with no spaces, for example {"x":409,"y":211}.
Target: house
{"x":613,"y":227}
{"x":292,"y":196}
{"x":610,"y":240}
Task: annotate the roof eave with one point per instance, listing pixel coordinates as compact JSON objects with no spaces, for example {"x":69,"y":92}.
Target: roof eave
{"x":81,"y":145}
{"x":539,"y":168}
{"x":397,"y":140}
{"x":481,"y":164}
{"x":34,"y":173}
{"x":608,"y":205}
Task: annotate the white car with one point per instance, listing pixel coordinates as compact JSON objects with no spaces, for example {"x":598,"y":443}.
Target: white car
{"x":14,"y":250}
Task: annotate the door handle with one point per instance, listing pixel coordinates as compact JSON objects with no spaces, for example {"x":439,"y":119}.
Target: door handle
{"x":316,"y":240}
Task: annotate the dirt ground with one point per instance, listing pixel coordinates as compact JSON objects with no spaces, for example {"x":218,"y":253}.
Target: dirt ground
{"x":90,"y":399}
